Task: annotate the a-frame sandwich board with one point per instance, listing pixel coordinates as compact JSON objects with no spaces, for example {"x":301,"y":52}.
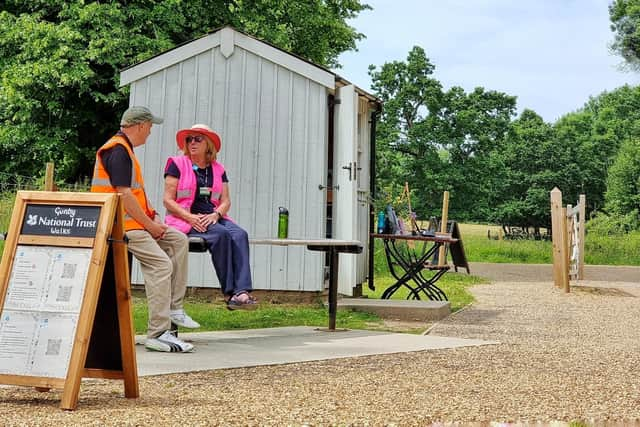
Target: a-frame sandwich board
{"x":65,"y":299}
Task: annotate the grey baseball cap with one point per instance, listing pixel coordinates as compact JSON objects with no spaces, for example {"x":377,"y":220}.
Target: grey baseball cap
{"x":136,"y":114}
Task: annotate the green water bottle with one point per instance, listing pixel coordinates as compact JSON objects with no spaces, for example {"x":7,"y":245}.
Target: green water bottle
{"x":283,"y":223}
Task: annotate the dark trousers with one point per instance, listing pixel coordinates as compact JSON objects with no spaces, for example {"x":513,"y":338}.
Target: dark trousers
{"x":229,"y":248}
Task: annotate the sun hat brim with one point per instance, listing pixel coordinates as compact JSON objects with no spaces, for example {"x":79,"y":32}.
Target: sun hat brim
{"x":182,"y":134}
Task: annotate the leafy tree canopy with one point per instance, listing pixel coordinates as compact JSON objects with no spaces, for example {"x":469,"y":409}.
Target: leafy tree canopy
{"x":623,"y":183}
{"x":439,"y":137}
{"x":60,"y":62}
{"x":625,"y":24}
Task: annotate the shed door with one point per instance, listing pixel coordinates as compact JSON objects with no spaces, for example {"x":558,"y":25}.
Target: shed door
{"x":345,"y":195}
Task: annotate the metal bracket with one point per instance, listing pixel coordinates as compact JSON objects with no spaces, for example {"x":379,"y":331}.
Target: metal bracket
{"x":124,"y":240}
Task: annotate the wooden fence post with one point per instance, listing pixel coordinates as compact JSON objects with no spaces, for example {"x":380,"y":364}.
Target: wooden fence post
{"x":581,"y":225}
{"x":569,"y":224}
{"x":443,"y":226}
{"x":565,"y":256}
{"x":557,"y":224}
{"x":48,"y":177}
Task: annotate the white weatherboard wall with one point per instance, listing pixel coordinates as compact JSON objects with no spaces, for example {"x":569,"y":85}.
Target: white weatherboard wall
{"x":270,"y":109}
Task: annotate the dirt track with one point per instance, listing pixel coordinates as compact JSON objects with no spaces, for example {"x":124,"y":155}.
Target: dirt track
{"x":543,"y":272}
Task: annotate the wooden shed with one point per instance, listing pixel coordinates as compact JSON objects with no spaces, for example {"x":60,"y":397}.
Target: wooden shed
{"x":294,"y":134}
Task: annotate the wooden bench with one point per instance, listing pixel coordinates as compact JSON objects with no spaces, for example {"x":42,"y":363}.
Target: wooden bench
{"x":332,"y":247}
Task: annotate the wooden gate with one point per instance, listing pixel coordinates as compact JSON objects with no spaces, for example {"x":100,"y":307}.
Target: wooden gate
{"x":567,"y":228}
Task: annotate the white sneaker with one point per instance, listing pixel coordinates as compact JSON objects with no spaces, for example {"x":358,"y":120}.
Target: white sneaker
{"x":180,"y":318}
{"x":169,"y":343}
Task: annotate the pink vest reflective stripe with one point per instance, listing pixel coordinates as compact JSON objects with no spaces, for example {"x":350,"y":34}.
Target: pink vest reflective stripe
{"x":186,"y":190}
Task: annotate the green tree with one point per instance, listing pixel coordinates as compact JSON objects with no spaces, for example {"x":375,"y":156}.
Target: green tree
{"x":594,"y":135}
{"x":623,"y":182}
{"x":531,"y":163}
{"x":60,"y":62}
{"x":435,"y":139}
{"x":625,"y":24}
{"x":406,"y":132}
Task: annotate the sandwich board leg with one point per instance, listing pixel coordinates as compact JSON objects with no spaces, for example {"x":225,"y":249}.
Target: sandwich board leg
{"x":125,"y":317}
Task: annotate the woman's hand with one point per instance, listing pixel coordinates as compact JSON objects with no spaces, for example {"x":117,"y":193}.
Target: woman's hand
{"x":195,"y":220}
{"x":205,"y":220}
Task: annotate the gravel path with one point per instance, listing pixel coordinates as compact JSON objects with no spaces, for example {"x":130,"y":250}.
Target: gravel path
{"x":562,"y":357}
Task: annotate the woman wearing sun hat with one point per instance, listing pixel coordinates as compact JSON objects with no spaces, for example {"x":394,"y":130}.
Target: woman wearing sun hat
{"x":196,"y":195}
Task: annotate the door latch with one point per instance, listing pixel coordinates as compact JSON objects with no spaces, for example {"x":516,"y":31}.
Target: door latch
{"x":352,"y":168}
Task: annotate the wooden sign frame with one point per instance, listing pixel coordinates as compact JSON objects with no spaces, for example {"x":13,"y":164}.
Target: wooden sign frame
{"x":106,"y":290}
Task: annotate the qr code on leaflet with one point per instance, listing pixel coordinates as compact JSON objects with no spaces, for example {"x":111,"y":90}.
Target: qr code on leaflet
{"x":53,"y":347}
{"x":69,"y":271}
{"x":64,"y":294}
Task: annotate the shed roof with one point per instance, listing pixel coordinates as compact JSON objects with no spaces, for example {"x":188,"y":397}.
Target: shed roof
{"x":227,"y":38}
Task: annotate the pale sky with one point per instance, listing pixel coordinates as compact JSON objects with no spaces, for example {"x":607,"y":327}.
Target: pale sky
{"x":551,"y":54}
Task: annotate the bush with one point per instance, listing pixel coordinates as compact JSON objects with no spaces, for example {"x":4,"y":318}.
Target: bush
{"x":623,"y":180}
{"x":613,"y":225}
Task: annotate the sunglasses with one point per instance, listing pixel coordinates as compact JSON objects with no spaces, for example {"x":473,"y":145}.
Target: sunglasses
{"x":196,"y":138}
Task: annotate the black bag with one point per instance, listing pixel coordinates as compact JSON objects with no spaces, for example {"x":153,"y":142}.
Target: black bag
{"x":391,"y":225}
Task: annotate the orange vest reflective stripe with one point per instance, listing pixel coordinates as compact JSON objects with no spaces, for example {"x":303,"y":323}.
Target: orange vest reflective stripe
{"x":101,"y":183}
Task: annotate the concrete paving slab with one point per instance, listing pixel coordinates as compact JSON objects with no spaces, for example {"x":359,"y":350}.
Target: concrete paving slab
{"x":410,"y":310}
{"x":256,"y":347}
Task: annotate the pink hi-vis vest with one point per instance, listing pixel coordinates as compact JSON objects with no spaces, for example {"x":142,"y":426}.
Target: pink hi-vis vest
{"x":186,"y":191}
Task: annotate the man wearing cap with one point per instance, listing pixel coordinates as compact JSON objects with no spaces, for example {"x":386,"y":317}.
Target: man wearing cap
{"x":161,"y":250}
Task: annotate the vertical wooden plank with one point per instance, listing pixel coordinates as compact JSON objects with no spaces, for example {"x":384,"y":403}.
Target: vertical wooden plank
{"x":244,"y":179}
{"x":6,"y":264}
{"x":570,"y":237}
{"x":443,"y":226}
{"x":48,"y":177}
{"x":264,"y":219}
{"x":581,"y":224}
{"x":565,"y":251}
{"x":299,"y":173}
{"x":123,"y":299}
{"x":315,"y":201}
{"x":556,"y":234}
{"x":88,"y":309}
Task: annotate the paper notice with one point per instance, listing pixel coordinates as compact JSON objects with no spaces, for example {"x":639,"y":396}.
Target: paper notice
{"x":17,"y":331}
{"x":37,"y":344}
{"x":48,"y":279}
{"x":28,"y":278}
{"x":52,"y":348}
{"x":41,"y":310}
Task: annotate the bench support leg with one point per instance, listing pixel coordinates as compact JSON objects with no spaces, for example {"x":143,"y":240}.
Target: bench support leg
{"x":333,"y":286}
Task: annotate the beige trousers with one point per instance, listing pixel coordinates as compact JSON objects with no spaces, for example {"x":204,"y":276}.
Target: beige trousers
{"x":164,"y":267}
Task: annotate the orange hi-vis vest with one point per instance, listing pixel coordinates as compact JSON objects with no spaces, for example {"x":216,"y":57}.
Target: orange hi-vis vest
{"x":101,"y":183}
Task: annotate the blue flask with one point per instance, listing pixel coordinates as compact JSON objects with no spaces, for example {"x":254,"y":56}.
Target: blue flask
{"x":380,"y":222}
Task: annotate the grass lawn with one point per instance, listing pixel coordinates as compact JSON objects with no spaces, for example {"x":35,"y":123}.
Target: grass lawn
{"x":479,"y":248}
{"x":454,"y":285}
{"x":599,"y":250}
{"x":214,"y":316}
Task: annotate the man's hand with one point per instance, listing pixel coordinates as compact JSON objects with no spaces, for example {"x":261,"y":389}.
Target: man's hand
{"x":131,"y":207}
{"x":157,"y":230}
